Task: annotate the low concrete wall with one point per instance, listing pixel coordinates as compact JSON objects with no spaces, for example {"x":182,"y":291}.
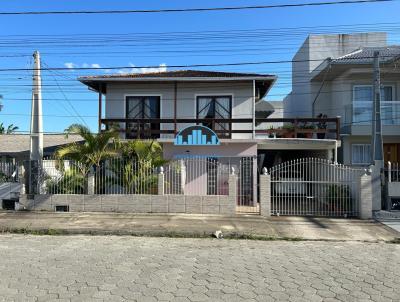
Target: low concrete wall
{"x":217,"y":204}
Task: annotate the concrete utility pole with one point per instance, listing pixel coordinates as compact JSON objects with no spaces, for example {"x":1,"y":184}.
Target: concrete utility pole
{"x":377,"y":143}
{"x":36,"y":133}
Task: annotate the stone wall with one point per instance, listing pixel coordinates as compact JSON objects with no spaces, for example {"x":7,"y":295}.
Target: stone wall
{"x":216,"y":204}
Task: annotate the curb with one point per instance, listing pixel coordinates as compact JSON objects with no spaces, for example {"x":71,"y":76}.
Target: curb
{"x":172,"y":234}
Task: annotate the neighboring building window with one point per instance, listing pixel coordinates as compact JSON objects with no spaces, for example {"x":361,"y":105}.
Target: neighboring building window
{"x":361,"y":154}
{"x":362,"y":105}
{"x":142,"y":107}
{"x":215,"y":107}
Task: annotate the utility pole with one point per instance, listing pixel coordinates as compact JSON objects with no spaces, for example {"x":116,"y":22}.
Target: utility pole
{"x":36,"y":133}
{"x":377,"y":142}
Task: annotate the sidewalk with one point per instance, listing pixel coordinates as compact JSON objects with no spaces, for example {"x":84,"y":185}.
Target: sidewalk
{"x":308,"y":228}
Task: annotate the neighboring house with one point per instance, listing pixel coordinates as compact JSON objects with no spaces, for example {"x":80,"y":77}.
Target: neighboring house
{"x":333,"y":75}
{"x":15,"y":147}
{"x":268,"y":110}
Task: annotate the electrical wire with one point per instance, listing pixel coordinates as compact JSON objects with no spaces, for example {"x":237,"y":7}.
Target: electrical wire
{"x":203,"y":9}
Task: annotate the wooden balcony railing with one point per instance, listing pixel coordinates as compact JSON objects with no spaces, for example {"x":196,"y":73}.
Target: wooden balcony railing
{"x":287,"y":127}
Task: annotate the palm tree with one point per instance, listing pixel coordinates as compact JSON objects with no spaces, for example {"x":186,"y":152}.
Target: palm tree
{"x":10,"y":129}
{"x":89,"y":153}
{"x":134,"y":171}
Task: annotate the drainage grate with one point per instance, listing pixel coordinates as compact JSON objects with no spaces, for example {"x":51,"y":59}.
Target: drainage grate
{"x":62,"y":208}
{"x":8,"y":204}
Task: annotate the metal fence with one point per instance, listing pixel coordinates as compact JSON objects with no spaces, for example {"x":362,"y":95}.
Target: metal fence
{"x":393,"y":172}
{"x":199,"y":176}
{"x":313,"y":186}
{"x":210,"y":176}
{"x":112,"y":176}
{"x":8,"y":172}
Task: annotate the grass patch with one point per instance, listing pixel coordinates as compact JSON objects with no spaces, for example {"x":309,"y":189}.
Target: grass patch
{"x":394,"y":241}
{"x":40,"y":232}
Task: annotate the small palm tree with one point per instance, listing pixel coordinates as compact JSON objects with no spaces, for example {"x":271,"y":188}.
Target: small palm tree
{"x":10,"y":129}
{"x":90,"y":152}
{"x":134,"y":170}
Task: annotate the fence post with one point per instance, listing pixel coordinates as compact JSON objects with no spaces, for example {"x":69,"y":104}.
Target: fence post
{"x":21,"y":179}
{"x":265,"y":193}
{"x":232,"y":189}
{"x":389,"y":171}
{"x":91,"y":182}
{"x":161,"y":182}
{"x":366,"y":195}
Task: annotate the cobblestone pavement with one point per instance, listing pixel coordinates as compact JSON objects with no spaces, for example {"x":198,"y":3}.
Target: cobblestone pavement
{"x":85,"y":268}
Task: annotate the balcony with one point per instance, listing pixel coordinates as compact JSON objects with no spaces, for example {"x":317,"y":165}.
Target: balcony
{"x":308,"y":128}
{"x":358,"y":117}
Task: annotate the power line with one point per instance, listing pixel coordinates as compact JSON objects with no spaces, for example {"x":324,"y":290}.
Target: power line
{"x":68,"y":101}
{"x":198,"y":9}
{"x":185,"y":66}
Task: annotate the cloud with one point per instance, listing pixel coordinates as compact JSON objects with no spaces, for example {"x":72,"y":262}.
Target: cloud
{"x":161,"y":68}
{"x":70,"y":65}
{"x":133,"y":69}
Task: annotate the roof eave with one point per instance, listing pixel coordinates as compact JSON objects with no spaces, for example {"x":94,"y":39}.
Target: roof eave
{"x":174,"y":79}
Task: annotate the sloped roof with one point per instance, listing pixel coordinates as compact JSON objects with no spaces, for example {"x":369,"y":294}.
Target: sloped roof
{"x":362,"y":57}
{"x":178,"y":74}
{"x":365,"y":55}
{"x":16,"y":143}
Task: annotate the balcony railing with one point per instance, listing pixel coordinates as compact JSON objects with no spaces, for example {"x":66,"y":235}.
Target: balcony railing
{"x":360,"y":113}
{"x":322,"y":128}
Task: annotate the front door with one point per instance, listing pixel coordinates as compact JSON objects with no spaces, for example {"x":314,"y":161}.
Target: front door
{"x":391,"y":152}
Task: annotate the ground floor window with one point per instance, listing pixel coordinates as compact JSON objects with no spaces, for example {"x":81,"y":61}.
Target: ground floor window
{"x":361,"y":153}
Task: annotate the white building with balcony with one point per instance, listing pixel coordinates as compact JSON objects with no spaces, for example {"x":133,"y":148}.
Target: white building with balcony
{"x":333,"y":75}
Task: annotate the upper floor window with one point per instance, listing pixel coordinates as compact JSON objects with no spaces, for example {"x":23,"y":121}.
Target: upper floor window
{"x":363,"y":101}
{"x":142,"y":107}
{"x":215,"y":107}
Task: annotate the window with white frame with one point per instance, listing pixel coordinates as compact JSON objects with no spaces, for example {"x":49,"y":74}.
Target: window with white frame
{"x":362,"y":104}
{"x":361,"y":154}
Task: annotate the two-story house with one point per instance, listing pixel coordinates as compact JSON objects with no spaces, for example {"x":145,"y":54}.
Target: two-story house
{"x":333,"y":75}
{"x":166,"y":105}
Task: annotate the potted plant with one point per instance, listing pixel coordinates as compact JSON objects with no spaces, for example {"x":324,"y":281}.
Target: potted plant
{"x":339,"y":199}
{"x":321,"y":125}
{"x":271,"y":132}
{"x":306,"y":134}
{"x":288,"y":131}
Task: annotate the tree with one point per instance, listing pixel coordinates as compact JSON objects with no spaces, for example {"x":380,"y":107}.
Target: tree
{"x":10,"y":129}
{"x":134,"y":170}
{"x":90,"y":152}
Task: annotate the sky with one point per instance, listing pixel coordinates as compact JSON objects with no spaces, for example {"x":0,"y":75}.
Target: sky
{"x":162,"y":40}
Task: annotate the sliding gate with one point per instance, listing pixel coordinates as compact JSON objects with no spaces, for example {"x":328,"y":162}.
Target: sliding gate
{"x":317,"y":187}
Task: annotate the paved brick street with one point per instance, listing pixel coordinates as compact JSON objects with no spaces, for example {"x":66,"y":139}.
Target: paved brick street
{"x":84,"y":268}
